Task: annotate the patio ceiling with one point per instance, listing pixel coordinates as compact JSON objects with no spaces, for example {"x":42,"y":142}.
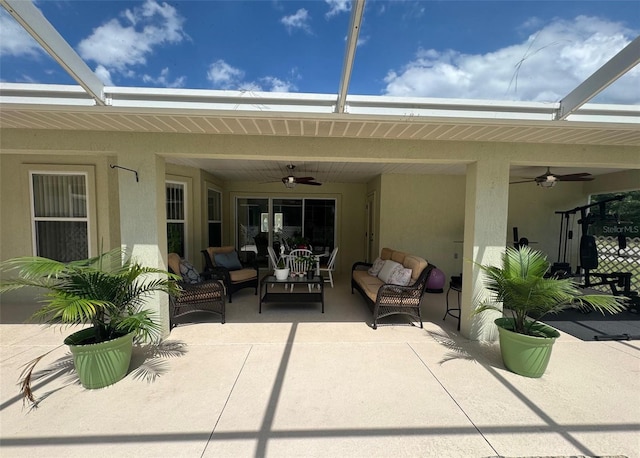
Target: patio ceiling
{"x":266,"y":171}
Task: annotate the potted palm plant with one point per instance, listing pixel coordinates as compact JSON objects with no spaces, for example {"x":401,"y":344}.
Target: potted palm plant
{"x":104,"y":293}
{"x":528,"y":293}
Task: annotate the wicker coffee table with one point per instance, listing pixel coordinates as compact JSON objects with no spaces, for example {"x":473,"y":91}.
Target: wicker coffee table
{"x":302,"y":295}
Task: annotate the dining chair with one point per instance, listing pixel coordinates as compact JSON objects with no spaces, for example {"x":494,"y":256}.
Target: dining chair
{"x":272,"y":256}
{"x":297,"y":262}
{"x":330,"y":267}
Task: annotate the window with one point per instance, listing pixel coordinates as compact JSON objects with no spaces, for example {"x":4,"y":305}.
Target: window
{"x":176,"y":219}
{"x":60,"y":221}
{"x":214,"y":217}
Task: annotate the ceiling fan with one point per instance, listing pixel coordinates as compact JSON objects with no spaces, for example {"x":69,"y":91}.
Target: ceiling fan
{"x":549,"y":180}
{"x":291,"y":180}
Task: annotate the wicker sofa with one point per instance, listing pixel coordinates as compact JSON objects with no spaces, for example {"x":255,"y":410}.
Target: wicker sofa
{"x":386,"y":299}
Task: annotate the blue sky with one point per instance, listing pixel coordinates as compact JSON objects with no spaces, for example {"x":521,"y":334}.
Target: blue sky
{"x":501,"y":50}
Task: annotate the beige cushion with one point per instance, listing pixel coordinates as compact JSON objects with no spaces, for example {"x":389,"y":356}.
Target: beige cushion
{"x":416,"y":264}
{"x":368,"y":283}
{"x":385,"y":253}
{"x":398,"y":256}
{"x":174,"y":263}
{"x":238,"y":276}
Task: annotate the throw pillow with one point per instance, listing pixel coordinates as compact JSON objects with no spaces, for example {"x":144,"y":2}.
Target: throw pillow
{"x":189,"y":273}
{"x":400,"y":276}
{"x":387,"y":269}
{"x":375,"y":268}
{"x":229,"y":260}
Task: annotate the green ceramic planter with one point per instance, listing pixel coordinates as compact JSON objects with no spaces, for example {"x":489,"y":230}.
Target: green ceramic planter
{"x":522,"y":354}
{"x":102,"y":364}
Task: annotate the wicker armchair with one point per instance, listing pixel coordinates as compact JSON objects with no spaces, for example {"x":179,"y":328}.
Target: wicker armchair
{"x":234,"y":278}
{"x":205,"y":296}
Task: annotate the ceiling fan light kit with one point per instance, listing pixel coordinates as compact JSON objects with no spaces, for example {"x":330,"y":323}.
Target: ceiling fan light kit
{"x":547,"y":183}
{"x":289,"y":182}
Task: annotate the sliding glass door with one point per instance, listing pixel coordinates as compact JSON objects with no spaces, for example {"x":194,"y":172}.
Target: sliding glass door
{"x":285,"y":223}
{"x":252,"y":227}
{"x":319,"y":224}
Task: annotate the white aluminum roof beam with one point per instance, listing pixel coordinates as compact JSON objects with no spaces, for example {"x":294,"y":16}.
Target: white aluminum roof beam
{"x":33,"y":21}
{"x":352,"y":42}
{"x":617,"y":66}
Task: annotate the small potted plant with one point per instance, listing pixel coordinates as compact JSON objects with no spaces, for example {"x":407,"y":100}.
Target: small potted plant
{"x":528,"y":293}
{"x":103,"y":292}
{"x":281,"y":271}
{"x":307,"y":264}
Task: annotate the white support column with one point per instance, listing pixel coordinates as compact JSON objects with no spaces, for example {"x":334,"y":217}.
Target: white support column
{"x":143,"y":226}
{"x":485,"y":238}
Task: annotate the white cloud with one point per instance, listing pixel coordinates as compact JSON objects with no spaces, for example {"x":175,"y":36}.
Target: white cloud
{"x":299,"y":20}
{"x":104,"y":75}
{"x":225,"y":76}
{"x":545,"y":67}
{"x":337,"y":6}
{"x":14,"y":40}
{"x":277,"y":85}
{"x":117,"y":45}
{"x":163,"y":79}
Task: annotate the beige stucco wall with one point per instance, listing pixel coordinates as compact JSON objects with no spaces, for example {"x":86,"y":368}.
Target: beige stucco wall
{"x":374,"y":188}
{"x":628,"y":180}
{"x":424,"y":215}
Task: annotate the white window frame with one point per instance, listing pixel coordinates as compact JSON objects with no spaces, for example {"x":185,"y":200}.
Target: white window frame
{"x":35,"y":219}
{"x":210,"y":221}
{"x":185,"y":215}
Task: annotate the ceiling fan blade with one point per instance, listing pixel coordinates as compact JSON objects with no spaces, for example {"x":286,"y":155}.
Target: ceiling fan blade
{"x":575,"y":177}
{"x":531,"y":180}
{"x":312,"y":183}
{"x":300,"y":179}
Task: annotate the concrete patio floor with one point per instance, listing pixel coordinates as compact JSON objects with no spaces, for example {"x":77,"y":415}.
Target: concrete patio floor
{"x":292,"y":382}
